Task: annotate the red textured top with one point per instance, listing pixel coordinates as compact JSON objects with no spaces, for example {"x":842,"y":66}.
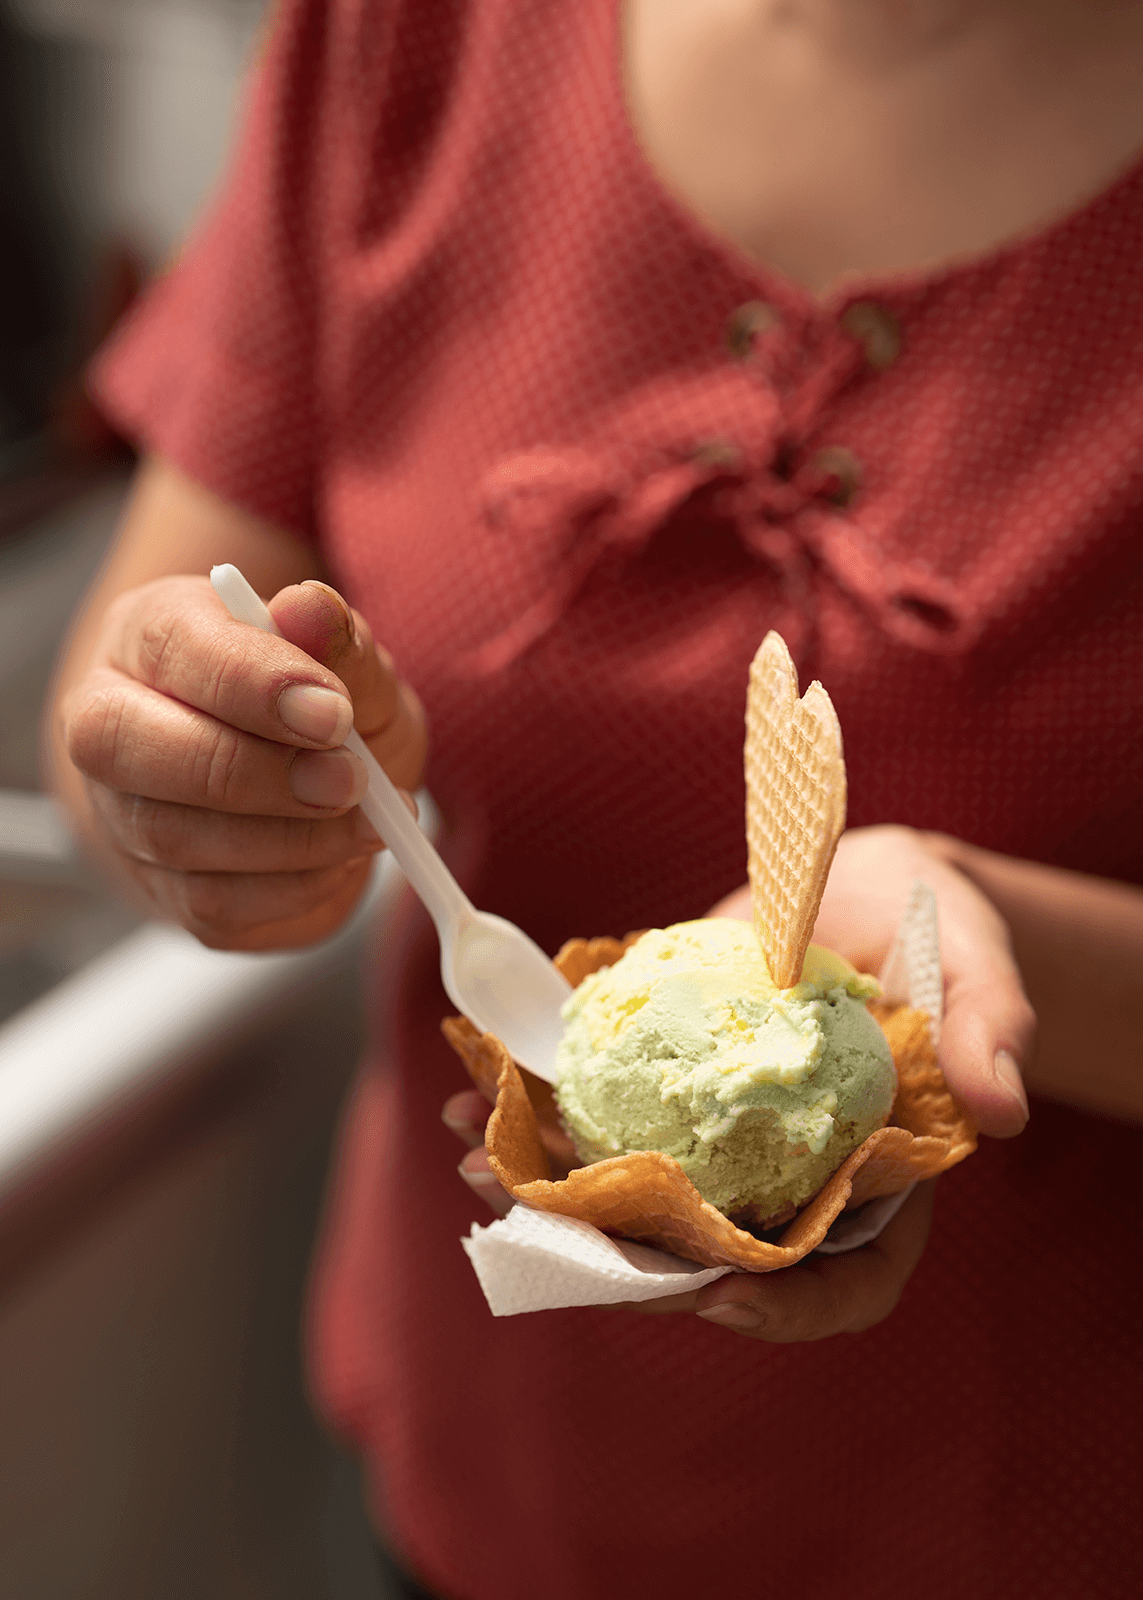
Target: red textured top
{"x":445,"y":320}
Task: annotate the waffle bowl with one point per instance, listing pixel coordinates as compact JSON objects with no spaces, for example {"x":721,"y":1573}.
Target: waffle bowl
{"x":646,"y":1196}
{"x":796,"y":795}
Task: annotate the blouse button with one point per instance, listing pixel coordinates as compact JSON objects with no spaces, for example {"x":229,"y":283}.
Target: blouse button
{"x":876,"y":330}
{"x":722,"y":453}
{"x":745,"y":324}
{"x":836,"y":462}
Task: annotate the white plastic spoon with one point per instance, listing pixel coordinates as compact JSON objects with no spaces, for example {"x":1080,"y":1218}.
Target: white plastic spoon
{"x":493,"y":972}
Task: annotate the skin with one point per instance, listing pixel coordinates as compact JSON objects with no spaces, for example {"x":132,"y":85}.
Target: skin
{"x":829,"y":139}
{"x":826,"y":138}
{"x":166,"y":737}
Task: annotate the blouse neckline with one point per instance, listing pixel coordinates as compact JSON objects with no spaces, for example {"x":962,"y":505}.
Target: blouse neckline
{"x":775,"y":286}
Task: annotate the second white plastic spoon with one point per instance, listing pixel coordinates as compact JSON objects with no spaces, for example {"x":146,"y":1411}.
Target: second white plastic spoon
{"x":491,"y":971}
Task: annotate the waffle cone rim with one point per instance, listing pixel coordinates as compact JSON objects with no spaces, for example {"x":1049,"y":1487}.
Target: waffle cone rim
{"x":647,"y":1196}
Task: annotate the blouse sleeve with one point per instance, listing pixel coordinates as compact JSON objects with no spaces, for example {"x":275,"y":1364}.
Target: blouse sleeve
{"x":214,"y":370}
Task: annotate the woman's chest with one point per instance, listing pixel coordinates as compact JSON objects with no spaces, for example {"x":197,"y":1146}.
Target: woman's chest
{"x":573,"y":473}
{"x":825,"y":157}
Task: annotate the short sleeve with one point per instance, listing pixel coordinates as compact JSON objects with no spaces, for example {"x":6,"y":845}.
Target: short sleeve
{"x":214,"y":369}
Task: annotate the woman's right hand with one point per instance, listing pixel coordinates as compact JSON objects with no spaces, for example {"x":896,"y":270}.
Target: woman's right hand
{"x":208,"y":754}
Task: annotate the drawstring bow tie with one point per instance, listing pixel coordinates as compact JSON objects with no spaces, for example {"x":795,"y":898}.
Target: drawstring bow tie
{"x":580,"y":507}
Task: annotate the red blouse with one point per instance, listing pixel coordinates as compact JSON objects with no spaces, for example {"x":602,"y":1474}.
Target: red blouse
{"x":572,"y":456}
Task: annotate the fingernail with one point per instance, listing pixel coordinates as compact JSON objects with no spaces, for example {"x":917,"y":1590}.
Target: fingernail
{"x":314,"y":713}
{"x":732,"y":1314}
{"x":480,"y":1179}
{"x":1007,"y":1075}
{"x":330,"y":778}
{"x":463,"y":1125}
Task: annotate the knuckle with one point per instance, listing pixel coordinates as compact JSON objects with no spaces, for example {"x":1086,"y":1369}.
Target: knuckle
{"x":225,"y":676}
{"x":201,"y":664}
{"x":153,"y":646}
{"x":95,"y":732}
{"x":313,"y":841}
{"x":218,"y":771}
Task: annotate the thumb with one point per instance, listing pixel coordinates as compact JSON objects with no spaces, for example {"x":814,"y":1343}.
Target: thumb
{"x":986,"y":1033}
{"x":386,"y":712}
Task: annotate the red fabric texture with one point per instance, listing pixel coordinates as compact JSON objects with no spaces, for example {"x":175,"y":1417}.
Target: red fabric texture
{"x":444,"y":320}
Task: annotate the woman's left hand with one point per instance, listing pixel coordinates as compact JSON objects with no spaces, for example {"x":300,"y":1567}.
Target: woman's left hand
{"x":987,"y":1032}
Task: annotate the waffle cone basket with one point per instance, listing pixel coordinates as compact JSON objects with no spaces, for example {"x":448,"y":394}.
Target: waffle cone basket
{"x":795,"y":814}
{"x":646,"y":1196}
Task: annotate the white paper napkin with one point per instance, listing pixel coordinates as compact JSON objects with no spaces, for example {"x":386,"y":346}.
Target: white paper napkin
{"x":537,"y":1260}
{"x":530,"y":1260}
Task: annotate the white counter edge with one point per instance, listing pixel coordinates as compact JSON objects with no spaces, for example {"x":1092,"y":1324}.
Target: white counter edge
{"x":142,"y":1012}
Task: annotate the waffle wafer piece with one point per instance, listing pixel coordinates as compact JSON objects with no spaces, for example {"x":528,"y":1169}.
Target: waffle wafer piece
{"x":795,"y":805}
{"x":645,"y":1195}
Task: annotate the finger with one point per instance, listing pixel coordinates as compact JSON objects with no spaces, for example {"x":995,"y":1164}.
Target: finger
{"x":988,"y":1024}
{"x":475,"y":1171}
{"x":825,"y":1295}
{"x":665,"y":1305}
{"x":735,"y":907}
{"x":236,"y":904}
{"x":191,"y":839}
{"x":986,"y":1032}
{"x":176,"y":637}
{"x":387,"y":714}
{"x":135,"y":739}
{"x":285,"y":933}
{"x":466,"y":1115}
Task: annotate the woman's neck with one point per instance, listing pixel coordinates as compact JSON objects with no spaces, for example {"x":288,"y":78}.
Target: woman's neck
{"x":888,"y":33}
{"x":889,"y":29}
{"x":833,"y":138}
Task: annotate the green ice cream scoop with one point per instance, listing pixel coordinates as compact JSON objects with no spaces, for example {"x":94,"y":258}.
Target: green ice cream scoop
{"x":686,"y":1046}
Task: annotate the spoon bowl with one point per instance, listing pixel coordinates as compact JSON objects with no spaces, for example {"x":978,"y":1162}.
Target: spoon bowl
{"x":506,"y":985}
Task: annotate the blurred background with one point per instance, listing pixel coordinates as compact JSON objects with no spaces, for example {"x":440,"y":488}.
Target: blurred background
{"x":166,"y":1113}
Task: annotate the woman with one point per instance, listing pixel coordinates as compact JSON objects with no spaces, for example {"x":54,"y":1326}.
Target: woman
{"x":579,"y":345}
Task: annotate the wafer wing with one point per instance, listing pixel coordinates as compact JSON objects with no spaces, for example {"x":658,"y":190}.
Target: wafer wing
{"x":795,"y":805}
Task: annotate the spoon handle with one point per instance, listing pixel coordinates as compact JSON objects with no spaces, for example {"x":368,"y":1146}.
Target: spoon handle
{"x":435,"y":885}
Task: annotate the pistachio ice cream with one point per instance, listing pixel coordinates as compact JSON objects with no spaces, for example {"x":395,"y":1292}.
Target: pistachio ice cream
{"x":686,"y":1046}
